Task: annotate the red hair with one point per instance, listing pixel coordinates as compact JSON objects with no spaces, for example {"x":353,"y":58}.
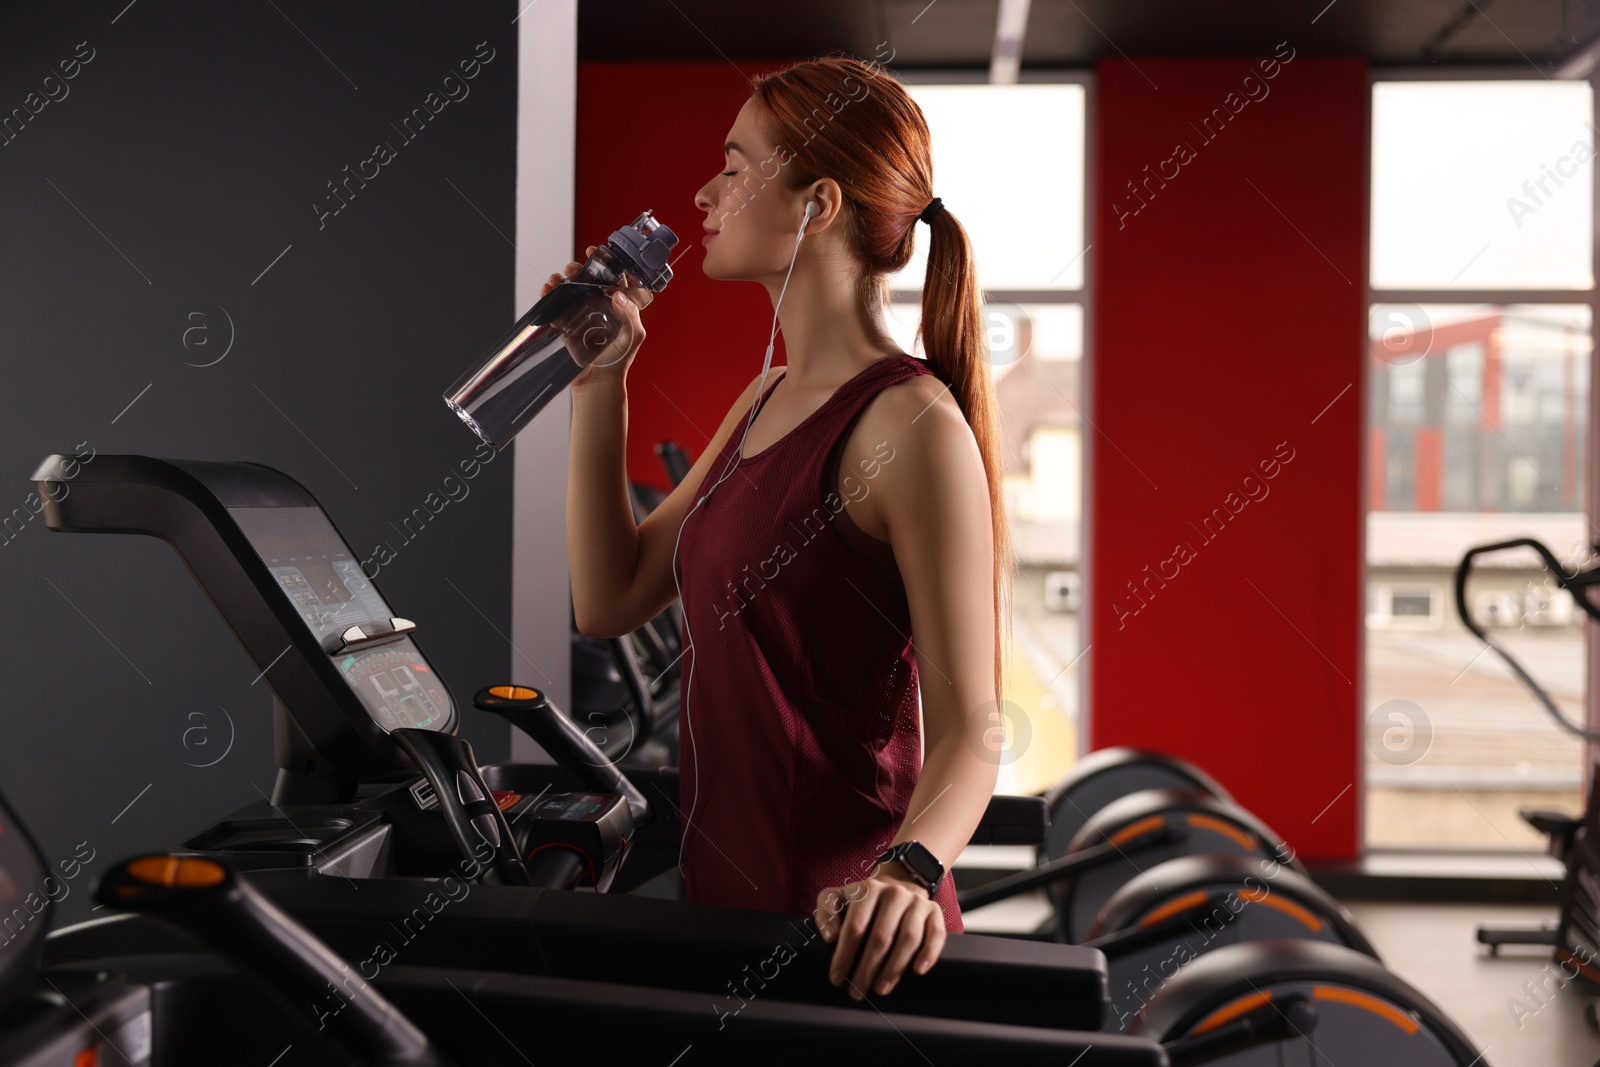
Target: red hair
{"x":844,"y":119}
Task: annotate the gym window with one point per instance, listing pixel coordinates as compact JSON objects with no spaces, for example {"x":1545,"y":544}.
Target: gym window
{"x":1480,"y":352}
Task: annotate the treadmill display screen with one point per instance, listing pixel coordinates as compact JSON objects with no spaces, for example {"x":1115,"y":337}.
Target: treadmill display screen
{"x":341,"y":598}
{"x":318,"y":574}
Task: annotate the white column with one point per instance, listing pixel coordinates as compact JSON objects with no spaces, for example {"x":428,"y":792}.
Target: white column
{"x":547,"y":91}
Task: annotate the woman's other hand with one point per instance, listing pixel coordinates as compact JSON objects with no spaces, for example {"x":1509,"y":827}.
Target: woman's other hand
{"x":890,"y":919}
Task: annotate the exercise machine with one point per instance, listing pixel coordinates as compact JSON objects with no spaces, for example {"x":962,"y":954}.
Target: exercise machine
{"x":376,"y":791}
{"x":1575,"y":936}
{"x":242,"y":979}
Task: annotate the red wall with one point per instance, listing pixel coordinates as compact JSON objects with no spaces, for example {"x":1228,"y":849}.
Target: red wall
{"x":649,"y":136}
{"x":1228,"y":318}
{"x":1223,"y":325}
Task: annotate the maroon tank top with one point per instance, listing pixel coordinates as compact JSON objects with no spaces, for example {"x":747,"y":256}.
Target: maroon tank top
{"x":800,"y":741}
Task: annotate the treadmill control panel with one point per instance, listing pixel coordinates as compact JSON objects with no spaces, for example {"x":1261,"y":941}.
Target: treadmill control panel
{"x":324,"y":582}
{"x":396,"y":686}
{"x":576,"y":807}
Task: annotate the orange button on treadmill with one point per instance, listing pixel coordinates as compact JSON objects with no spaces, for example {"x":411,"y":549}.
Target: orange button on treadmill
{"x":514,"y":692}
{"x":180,"y":872}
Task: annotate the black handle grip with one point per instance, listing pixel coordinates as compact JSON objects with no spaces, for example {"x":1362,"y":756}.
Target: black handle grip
{"x":1573,"y":583}
{"x":475,"y":820}
{"x":560,"y":867}
{"x":530,"y":711}
{"x":1172,"y":829}
{"x":233,"y":918}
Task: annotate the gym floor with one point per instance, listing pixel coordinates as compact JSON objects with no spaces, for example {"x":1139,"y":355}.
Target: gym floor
{"x":1434,"y":947}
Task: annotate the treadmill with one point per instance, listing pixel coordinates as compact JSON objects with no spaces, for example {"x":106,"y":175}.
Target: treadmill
{"x":253,"y":985}
{"x":387,"y":840}
{"x":384,"y":836}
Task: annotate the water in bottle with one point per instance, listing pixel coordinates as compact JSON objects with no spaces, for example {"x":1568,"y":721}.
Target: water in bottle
{"x":571,"y":327}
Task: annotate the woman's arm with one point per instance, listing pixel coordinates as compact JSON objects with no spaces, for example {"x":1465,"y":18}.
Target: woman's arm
{"x":934,"y":499}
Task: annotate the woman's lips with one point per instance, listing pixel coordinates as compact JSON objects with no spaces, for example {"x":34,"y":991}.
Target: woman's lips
{"x":707,"y":238}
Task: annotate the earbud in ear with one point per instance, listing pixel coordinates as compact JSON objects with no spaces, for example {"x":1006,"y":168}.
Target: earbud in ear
{"x":813,"y":209}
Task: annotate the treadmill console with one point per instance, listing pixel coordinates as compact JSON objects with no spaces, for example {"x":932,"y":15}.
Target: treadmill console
{"x":317,"y":573}
{"x":344,"y":670}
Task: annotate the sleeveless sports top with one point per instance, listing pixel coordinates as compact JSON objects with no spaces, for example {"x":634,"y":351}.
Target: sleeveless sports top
{"x":800,"y":740}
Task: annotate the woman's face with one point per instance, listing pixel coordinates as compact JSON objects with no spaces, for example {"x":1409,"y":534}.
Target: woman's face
{"x":751,"y":216}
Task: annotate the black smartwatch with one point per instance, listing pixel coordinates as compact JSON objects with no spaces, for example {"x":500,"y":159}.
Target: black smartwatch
{"x":921,"y":864}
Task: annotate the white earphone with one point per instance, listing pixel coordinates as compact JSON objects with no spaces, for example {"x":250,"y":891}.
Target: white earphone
{"x":812,"y":209}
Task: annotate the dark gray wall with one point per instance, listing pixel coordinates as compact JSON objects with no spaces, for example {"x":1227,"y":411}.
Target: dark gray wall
{"x":177,"y":173}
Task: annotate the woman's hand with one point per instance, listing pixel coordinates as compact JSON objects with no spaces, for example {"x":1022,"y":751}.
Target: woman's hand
{"x":890,"y":918}
{"x":609,"y":357}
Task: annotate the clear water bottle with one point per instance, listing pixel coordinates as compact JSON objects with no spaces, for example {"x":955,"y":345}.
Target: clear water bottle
{"x":571,"y":327}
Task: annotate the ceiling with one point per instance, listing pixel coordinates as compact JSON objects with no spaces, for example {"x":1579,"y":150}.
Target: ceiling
{"x":956,"y":34}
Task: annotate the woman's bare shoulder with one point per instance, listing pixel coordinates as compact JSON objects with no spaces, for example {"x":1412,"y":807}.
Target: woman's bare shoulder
{"x":913,"y":407}
{"x":915,"y":433}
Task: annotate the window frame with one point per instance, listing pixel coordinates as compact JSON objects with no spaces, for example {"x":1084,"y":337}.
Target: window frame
{"x":1383,"y":614}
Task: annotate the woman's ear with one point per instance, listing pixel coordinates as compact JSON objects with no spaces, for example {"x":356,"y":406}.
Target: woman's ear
{"x":829,"y":199}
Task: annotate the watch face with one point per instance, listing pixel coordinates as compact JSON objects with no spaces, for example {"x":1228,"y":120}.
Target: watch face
{"x":923,"y":862}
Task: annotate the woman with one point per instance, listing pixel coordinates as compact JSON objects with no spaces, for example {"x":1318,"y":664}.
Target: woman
{"x":859,"y":506}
